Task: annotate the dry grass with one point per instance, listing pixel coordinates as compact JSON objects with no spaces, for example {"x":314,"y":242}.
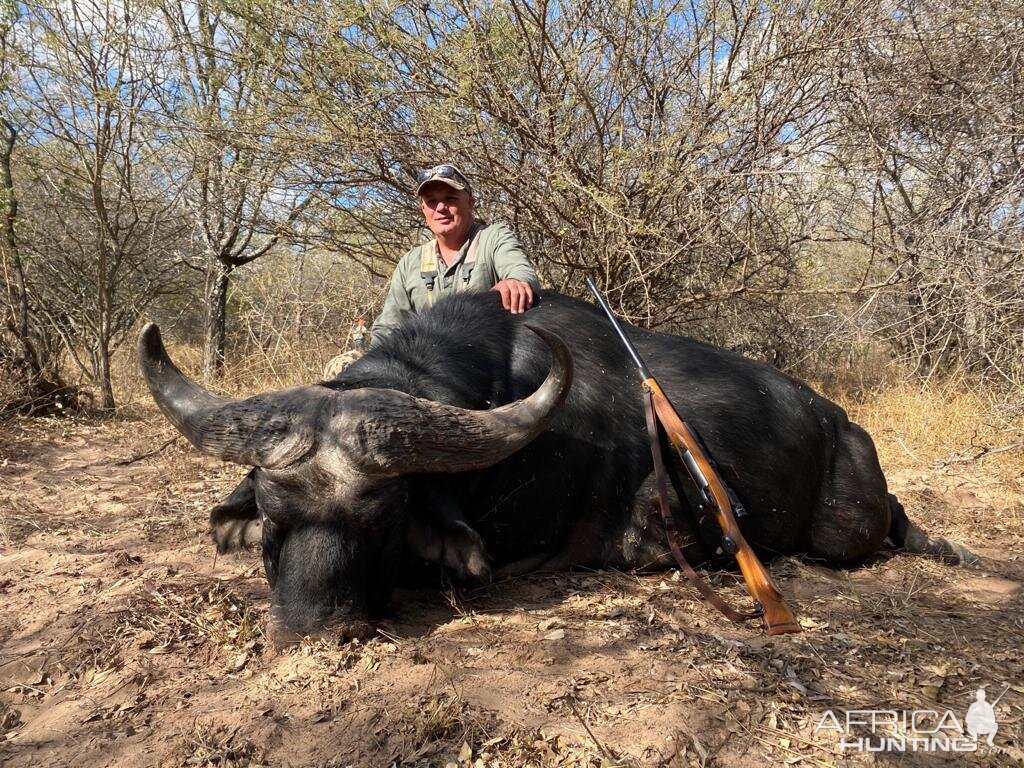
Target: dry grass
{"x":162,"y":618}
{"x":220,"y":746}
{"x":914,"y":424}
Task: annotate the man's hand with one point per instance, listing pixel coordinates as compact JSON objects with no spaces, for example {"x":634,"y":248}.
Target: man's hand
{"x":516,"y":295}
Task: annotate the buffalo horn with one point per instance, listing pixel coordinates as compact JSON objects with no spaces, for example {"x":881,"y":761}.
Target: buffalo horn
{"x":270,"y":430}
{"x":395,"y":433}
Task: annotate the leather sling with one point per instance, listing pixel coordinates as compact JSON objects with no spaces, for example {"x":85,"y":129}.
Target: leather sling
{"x":672,"y":532}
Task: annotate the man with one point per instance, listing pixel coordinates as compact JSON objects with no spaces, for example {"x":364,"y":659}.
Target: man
{"x":464,"y":255}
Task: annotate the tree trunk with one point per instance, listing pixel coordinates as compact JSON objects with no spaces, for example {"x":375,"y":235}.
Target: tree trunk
{"x":102,"y":357}
{"x":214,"y":331}
{"x":101,"y":367}
{"x":40,"y":389}
{"x":103,"y":371}
{"x":17,"y":296}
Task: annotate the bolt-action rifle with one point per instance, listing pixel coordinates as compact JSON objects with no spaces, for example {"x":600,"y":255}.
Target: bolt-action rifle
{"x":768,"y":601}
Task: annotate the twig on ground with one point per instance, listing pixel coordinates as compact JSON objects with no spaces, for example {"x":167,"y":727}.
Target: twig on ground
{"x":906,"y":450}
{"x":980,"y":453}
{"x":146,"y":454}
{"x":600,"y":747}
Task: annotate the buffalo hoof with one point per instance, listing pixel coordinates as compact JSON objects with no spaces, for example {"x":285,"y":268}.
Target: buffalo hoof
{"x":456,"y":546}
{"x":465,"y":554}
{"x":917,"y":541}
{"x":233,"y":535}
{"x":958,"y":554}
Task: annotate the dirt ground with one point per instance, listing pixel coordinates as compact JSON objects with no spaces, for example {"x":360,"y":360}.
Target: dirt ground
{"x":125,"y":641}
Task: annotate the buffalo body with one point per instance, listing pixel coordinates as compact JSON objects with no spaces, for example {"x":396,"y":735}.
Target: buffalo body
{"x":355,"y":479}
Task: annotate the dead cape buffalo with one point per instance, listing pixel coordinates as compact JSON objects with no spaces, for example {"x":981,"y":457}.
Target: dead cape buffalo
{"x":480,"y":439}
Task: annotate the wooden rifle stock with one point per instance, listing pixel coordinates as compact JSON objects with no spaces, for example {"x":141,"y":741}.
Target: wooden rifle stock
{"x":776,"y":615}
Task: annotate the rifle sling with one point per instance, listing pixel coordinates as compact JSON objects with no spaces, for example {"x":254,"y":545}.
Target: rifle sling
{"x":672,"y":532}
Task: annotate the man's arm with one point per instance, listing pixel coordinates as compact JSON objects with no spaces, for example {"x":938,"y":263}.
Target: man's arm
{"x":396,"y":305}
{"x":517,"y":279}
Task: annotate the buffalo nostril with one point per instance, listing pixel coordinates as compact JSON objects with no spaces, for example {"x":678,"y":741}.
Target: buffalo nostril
{"x":279,"y":635}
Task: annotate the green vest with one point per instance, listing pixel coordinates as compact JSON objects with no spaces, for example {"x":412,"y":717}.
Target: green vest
{"x":430,"y":257}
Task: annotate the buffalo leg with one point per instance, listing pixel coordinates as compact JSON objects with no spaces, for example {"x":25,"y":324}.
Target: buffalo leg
{"x":586,"y":545}
{"x":440,"y":534}
{"x":905,"y":534}
{"x":235,"y":522}
{"x":641,"y":543}
{"x":852,"y":517}
{"x":857,"y":513}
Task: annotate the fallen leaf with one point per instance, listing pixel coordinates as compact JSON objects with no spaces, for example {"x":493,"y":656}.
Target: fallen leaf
{"x":931,"y":691}
{"x":808,"y":623}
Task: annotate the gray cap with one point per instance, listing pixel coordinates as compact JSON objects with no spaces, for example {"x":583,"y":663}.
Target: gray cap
{"x":446,"y":173}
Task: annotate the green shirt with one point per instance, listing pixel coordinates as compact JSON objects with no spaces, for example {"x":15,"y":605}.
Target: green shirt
{"x":499,"y":256}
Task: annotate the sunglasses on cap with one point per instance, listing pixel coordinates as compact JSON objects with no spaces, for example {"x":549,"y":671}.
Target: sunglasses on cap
{"x":446,"y":173}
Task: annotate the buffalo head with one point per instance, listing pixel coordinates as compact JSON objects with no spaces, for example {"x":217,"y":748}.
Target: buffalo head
{"x":333,"y":485}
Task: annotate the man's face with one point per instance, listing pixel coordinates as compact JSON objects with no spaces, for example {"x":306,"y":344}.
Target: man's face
{"x":447,"y":211}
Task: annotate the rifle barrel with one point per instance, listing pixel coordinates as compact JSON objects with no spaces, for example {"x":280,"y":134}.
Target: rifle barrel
{"x":1000,"y":695}
{"x":615,"y":324}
